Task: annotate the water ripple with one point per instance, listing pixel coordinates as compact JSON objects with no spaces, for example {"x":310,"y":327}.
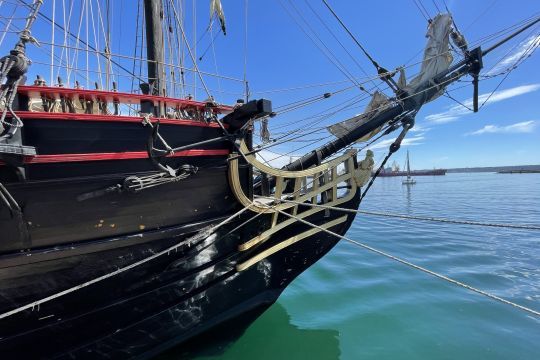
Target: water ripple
{"x":385,"y":310}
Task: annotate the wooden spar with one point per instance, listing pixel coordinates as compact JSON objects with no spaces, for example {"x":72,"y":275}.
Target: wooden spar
{"x":409,"y":103}
{"x":341,"y":142}
{"x":154,"y":46}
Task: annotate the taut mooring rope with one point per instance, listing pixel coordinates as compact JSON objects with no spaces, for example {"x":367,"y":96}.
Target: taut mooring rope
{"x":417,"y":267}
{"x":37,"y":303}
{"x":414,"y":217}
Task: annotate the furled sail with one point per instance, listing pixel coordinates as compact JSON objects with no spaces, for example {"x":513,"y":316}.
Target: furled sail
{"x":437,"y":57}
{"x":376,"y":105}
{"x":217,"y":9}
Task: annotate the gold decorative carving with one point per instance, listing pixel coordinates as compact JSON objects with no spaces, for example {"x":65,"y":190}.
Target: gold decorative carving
{"x":365,"y":167}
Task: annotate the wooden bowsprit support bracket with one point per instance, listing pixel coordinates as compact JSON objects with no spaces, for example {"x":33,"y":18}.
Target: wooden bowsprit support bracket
{"x":12,"y":150}
{"x":242,"y":114}
{"x":476,"y":64}
{"x":14,"y":153}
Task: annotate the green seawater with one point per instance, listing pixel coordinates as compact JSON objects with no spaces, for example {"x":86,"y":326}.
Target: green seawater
{"x":354,"y":304}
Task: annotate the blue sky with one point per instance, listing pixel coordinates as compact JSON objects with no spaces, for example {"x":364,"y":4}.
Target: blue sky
{"x":280,"y":56}
{"x":505,"y":132}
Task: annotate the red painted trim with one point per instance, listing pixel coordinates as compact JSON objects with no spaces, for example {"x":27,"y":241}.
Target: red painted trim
{"x":42,"y":115}
{"x":110,"y":96}
{"x":129,"y":155}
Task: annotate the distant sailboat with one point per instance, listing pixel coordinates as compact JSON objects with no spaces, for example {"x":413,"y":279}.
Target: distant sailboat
{"x":409,"y":180}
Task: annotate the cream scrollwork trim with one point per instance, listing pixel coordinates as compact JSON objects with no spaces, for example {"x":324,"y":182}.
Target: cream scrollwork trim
{"x":286,"y":243}
{"x":292,"y":174}
{"x":323,"y":180}
{"x":280,"y":175}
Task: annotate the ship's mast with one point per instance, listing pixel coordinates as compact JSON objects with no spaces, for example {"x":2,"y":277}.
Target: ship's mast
{"x":153,"y":12}
{"x":408,"y":165}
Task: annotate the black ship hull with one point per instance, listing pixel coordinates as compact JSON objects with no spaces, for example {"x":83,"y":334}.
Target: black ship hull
{"x":103,"y":256}
{"x":75,"y":226}
{"x":154,"y":306}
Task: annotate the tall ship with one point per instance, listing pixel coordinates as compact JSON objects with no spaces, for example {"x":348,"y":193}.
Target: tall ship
{"x":135,"y":217}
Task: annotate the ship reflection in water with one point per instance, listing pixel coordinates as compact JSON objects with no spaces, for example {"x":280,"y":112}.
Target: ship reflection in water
{"x":272,"y":336}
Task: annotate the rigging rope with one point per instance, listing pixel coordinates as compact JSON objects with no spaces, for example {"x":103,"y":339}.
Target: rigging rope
{"x":322,"y":118}
{"x":351,"y":35}
{"x":415,"y":217}
{"x":78,"y":39}
{"x":322,"y":115}
{"x":300,"y":87}
{"x":329,"y":30}
{"x":45,"y":50}
{"x":384,"y":74}
{"x":52,"y":41}
{"x":13,"y":68}
{"x":246,"y":86}
{"x":136,"y":47}
{"x":202,"y":234}
{"x":481,"y":14}
{"x":528,"y":52}
{"x":414,"y":266}
{"x":457,"y":101}
{"x":6,"y":30}
{"x":313,"y":36}
{"x":424,"y":8}
{"x":420,"y":10}
{"x":377,"y":77}
{"x":215,"y":60}
{"x":437,"y":6}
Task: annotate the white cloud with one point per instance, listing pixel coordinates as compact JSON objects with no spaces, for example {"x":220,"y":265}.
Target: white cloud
{"x":456,"y":111}
{"x":510,"y":58}
{"x":416,"y":140}
{"x":419,"y":129}
{"x":521,"y":127}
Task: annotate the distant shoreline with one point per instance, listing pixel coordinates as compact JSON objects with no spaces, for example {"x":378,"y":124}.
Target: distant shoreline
{"x":498,"y":169}
{"x":519,"y":172}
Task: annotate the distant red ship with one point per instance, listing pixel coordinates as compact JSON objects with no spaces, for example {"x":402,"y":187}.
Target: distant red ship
{"x":395,"y":170}
{"x":434,"y":172}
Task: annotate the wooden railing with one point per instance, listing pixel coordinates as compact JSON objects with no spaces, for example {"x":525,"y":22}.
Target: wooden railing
{"x":322,"y":184}
{"x":56,"y":93}
{"x":61,"y":100}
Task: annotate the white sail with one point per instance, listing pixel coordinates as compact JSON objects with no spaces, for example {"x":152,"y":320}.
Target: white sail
{"x":437,"y":56}
{"x":409,"y":180}
{"x":376,"y":105}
